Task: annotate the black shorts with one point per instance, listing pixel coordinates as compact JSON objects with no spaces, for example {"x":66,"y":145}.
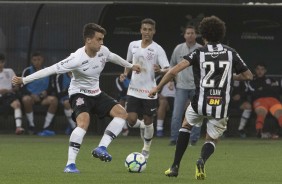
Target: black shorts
{"x":143,"y":106}
{"x":7,"y":99}
{"x":100,"y":105}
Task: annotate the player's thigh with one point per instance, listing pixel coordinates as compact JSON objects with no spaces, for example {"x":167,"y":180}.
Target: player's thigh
{"x":149,"y":106}
{"x":216,"y":127}
{"x":133,"y":104}
{"x":80,"y":103}
{"x":104,"y":105}
{"x":193,"y":118}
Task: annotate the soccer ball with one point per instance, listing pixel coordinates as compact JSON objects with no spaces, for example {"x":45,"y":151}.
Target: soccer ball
{"x":135,"y":162}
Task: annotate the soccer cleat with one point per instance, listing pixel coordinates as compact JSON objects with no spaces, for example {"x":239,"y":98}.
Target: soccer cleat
{"x":172,"y":172}
{"x":102,"y":154}
{"x":242,"y":133}
{"x":200,"y":170}
{"x":31,"y":130}
{"x":71,"y":168}
{"x":19,"y":130}
{"x":145,"y":153}
{"x":46,"y":133}
{"x":160,"y":133}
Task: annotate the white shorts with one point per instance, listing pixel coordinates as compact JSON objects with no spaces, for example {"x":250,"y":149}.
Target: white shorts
{"x":215,"y":127}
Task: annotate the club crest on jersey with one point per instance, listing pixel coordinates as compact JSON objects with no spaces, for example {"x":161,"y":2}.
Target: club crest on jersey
{"x":150,"y":56}
{"x":79,"y":101}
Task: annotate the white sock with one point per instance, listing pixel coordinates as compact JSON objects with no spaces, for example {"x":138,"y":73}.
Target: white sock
{"x":244,"y":118}
{"x":30,"y":119}
{"x":112,"y":131}
{"x":75,"y":141}
{"x":160,"y":124}
{"x":148,"y":135}
{"x":18,"y":117}
{"x":139,"y":124}
{"x":68,"y":113}
{"x":125,"y":127}
{"x":48,"y":119}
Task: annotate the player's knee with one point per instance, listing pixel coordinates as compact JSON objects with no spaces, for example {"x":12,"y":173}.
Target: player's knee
{"x":26,"y":99}
{"x":53,"y":100}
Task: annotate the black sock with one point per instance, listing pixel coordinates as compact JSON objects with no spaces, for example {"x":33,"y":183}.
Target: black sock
{"x":207,"y":150}
{"x":181,"y":145}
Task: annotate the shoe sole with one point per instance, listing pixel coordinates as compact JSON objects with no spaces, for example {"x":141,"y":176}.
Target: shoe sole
{"x":104,"y":158}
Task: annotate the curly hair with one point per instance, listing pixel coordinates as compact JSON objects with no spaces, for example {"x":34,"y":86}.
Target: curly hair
{"x":212,"y":29}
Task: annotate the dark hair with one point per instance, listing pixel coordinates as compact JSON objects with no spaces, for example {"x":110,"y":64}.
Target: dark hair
{"x":37,"y":53}
{"x":2,"y":57}
{"x":189,"y":27}
{"x":263,"y":64}
{"x":90,"y":29}
{"x":148,"y":21}
{"x":212,"y":29}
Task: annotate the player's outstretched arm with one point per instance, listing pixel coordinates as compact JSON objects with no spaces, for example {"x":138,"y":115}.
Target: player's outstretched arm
{"x":17,"y":81}
{"x":169,"y":76}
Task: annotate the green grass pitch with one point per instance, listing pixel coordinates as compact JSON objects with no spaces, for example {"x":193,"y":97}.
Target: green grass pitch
{"x":41,"y":160}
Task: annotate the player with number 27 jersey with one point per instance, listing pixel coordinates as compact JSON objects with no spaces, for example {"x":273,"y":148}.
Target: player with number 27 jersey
{"x":213,"y":68}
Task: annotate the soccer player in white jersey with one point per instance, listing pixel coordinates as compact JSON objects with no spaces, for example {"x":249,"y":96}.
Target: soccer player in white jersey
{"x":8,"y":96}
{"x":86,"y":65}
{"x":213,"y":68}
{"x":151,"y":56}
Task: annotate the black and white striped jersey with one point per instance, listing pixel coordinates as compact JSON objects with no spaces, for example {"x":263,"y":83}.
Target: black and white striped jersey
{"x":213,"y":68}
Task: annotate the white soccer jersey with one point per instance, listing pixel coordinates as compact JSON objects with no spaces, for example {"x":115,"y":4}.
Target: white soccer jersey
{"x":6,"y":78}
{"x":86,"y":71}
{"x":141,"y":84}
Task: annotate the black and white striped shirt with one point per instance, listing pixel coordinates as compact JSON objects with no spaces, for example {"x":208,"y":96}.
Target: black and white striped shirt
{"x":213,"y":68}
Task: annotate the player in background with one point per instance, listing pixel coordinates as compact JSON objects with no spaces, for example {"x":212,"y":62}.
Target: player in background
{"x":8,"y":94}
{"x":122,"y":86}
{"x":150,"y":56}
{"x":265,"y":93}
{"x":240,"y":99}
{"x":39,"y":92}
{"x":213,"y":68}
{"x":62,"y":85}
{"x":165,"y":104}
{"x":185,"y":86}
{"x":86,"y":65}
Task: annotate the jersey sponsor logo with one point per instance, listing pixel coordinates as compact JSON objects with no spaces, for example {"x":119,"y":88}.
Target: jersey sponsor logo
{"x":79,"y":101}
{"x":100,"y":55}
{"x":214,"y":98}
{"x":135,"y":46}
{"x":139,"y":90}
{"x":150,"y":49}
{"x":84,"y":62}
{"x":87,"y":91}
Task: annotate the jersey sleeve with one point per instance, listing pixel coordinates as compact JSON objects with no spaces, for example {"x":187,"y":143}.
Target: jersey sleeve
{"x":67,"y":64}
{"x":239,"y":65}
{"x":192,"y":57}
{"x":129,"y":56}
{"x":162,"y":58}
